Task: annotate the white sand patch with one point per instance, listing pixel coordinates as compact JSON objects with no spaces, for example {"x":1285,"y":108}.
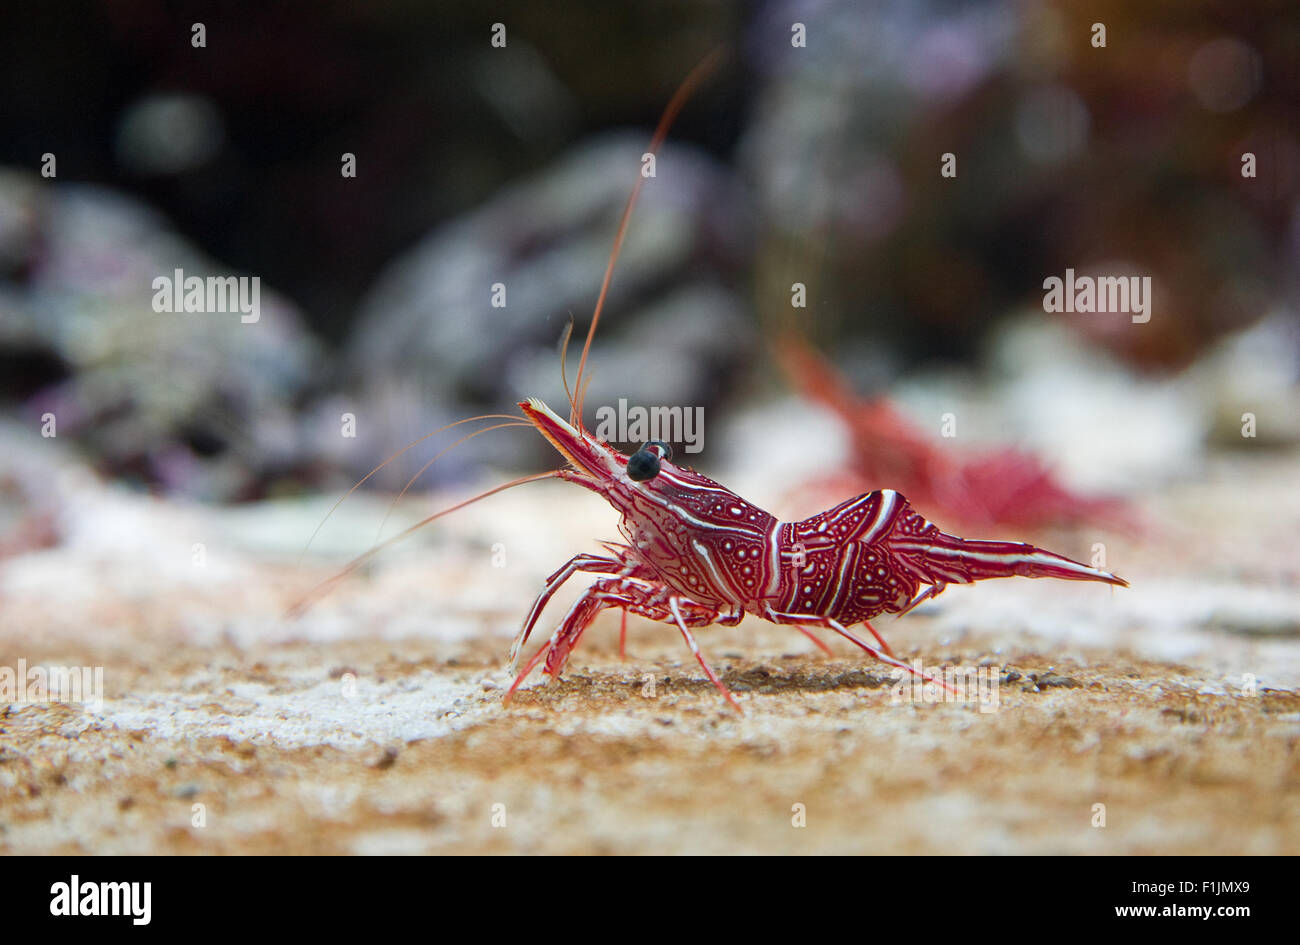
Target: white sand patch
{"x":422,"y":705}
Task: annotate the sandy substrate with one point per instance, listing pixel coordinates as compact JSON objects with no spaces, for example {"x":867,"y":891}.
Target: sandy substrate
{"x":374,"y":723}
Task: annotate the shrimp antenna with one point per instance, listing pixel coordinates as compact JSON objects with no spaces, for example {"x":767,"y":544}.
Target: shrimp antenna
{"x":679,"y":99}
{"x":414,"y":443}
{"x":321,"y":589}
{"x":438,"y":455}
{"x":564,"y":356}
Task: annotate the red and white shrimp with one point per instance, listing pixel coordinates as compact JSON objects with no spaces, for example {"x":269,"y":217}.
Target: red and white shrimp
{"x":694,"y":553}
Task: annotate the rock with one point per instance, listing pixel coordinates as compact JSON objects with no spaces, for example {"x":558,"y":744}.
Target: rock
{"x":1054,"y":681}
{"x":200,"y":404}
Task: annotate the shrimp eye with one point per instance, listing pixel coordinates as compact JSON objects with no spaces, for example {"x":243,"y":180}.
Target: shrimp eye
{"x":644,"y":464}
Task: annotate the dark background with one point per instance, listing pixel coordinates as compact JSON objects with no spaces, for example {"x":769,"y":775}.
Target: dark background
{"x":817,"y":164}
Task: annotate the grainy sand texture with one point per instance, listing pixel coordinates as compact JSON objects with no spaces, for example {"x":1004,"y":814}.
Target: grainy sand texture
{"x":1159,"y":719}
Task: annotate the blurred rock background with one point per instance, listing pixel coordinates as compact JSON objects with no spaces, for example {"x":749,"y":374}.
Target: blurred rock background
{"x":478,"y":165}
